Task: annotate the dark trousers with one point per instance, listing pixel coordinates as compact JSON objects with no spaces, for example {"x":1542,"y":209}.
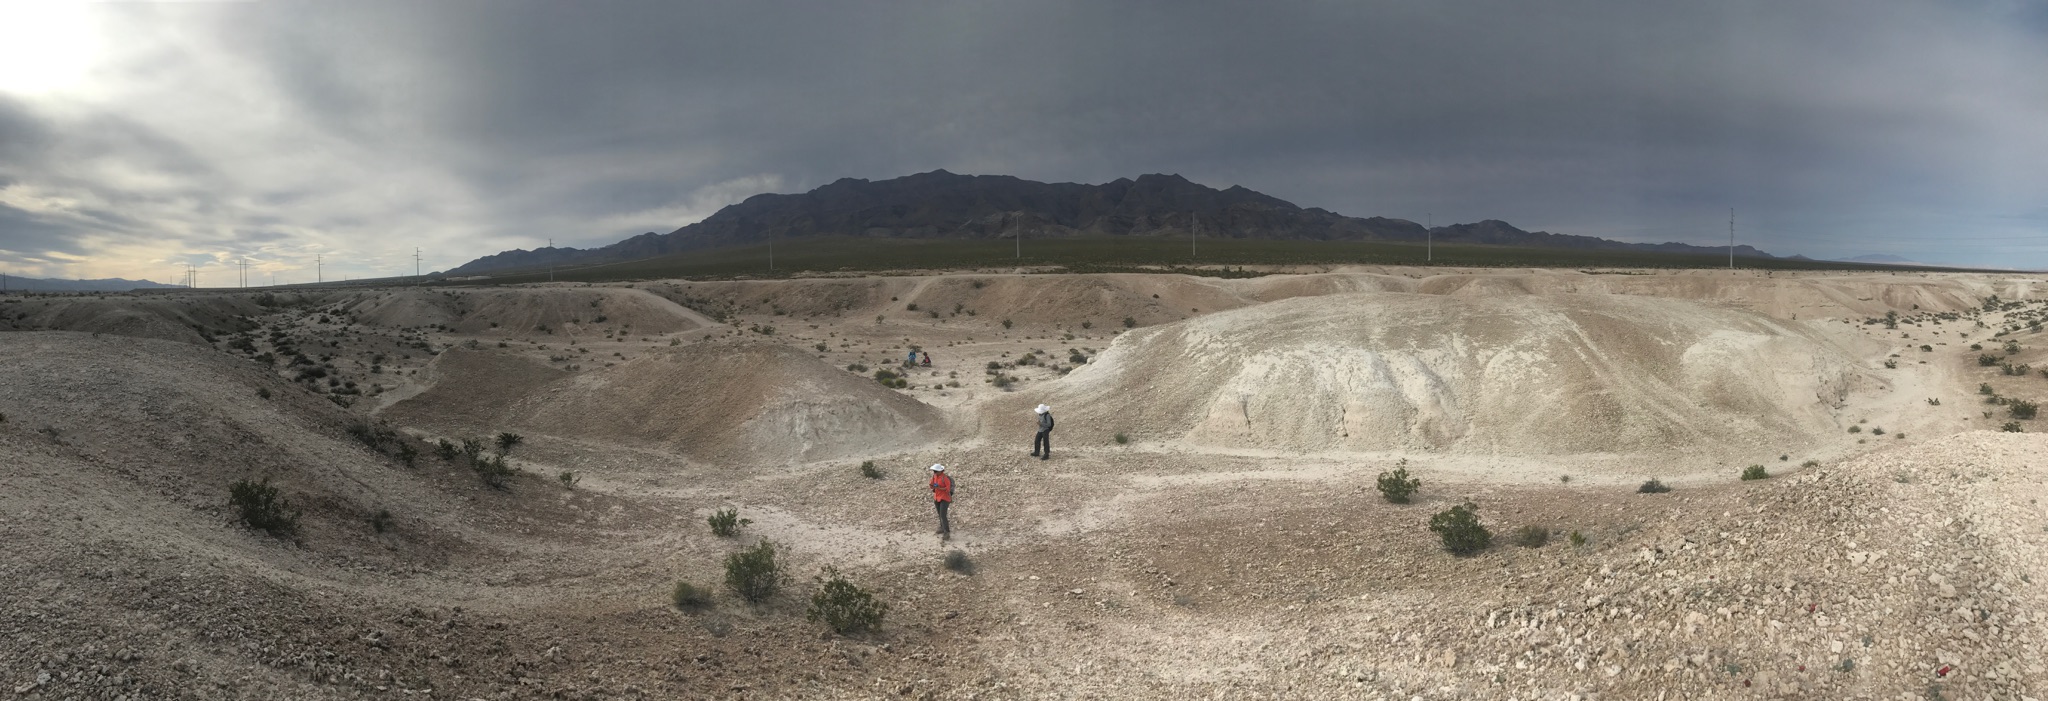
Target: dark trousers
{"x":1042,"y":444}
{"x":944,"y":527}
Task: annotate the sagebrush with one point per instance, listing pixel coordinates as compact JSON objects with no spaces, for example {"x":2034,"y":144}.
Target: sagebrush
{"x":1460,"y":529}
{"x":843,"y":606}
{"x":752,"y":573}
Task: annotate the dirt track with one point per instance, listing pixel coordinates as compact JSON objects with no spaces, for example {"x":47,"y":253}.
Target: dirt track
{"x":1235,"y":546}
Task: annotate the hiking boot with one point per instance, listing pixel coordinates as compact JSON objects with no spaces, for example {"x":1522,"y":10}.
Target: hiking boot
{"x":1034,"y":453}
{"x":1047,"y":456}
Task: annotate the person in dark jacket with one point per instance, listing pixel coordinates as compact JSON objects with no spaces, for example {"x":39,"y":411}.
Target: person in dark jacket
{"x":1041,"y":445}
{"x":942,"y":496}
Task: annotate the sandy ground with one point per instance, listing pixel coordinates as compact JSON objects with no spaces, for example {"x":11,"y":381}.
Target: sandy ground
{"x":1208,"y":525}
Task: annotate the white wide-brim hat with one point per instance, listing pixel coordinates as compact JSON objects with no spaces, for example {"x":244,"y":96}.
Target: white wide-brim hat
{"x":938,"y":468}
{"x":1042,"y":409}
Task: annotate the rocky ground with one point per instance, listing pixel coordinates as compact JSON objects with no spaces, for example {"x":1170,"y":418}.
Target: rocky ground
{"x":1888,"y":568}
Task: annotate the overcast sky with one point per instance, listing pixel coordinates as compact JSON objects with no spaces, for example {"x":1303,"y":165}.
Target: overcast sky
{"x":136,"y":138}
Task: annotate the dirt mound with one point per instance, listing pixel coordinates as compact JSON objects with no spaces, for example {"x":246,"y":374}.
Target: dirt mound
{"x":1069,"y":300}
{"x":188,"y":423}
{"x":186,"y":318}
{"x":747,"y":403}
{"x":1521,"y":374}
{"x":803,"y":298}
{"x":1781,"y":295}
{"x":569,"y":310}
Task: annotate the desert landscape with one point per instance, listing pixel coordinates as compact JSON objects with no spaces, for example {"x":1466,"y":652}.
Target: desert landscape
{"x":1209,"y":524}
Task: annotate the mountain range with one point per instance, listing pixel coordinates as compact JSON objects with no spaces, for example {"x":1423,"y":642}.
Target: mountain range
{"x":943,"y":205}
{"x":16,"y":284}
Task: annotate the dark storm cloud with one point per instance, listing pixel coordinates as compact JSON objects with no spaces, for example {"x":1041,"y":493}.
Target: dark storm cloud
{"x":363,"y":129}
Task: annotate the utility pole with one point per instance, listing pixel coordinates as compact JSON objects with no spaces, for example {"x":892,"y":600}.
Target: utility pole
{"x":1731,"y":238}
{"x":318,"y":275}
{"x":1429,"y":236}
{"x":415,"y":261}
{"x":245,"y":272}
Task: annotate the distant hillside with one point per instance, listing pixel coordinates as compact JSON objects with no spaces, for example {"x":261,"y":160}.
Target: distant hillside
{"x":30,"y":284}
{"x":1881,"y":258}
{"x":942,"y":205}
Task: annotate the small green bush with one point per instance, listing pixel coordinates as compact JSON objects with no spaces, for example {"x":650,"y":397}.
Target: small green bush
{"x":1460,"y":529}
{"x":1006,"y":323}
{"x":1985,"y":388}
{"x":1122,"y":439}
{"x":1531,"y":536}
{"x":2011,"y":427}
{"x":843,"y":606}
{"x":1578,"y":540}
{"x":2022,"y":409}
{"x":1652,"y":487}
{"x":1855,"y":429}
{"x":957,"y":561}
{"x":257,"y":505}
{"x":569,"y":479}
{"x":868,"y":470}
{"x":1987,"y":360}
{"x":726,"y":523}
{"x":1396,"y":485}
{"x":752,"y":573}
{"x":493,"y":470}
{"x":687,"y":596}
{"x":1933,"y":401}
{"x":446,"y":450}
{"x":1130,"y":323}
{"x":1754,"y":472}
{"x":506,"y":440}
{"x":381,"y":521}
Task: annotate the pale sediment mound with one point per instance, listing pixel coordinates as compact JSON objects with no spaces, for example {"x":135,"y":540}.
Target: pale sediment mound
{"x":183,"y":318}
{"x":151,"y":433}
{"x":1069,"y":300}
{"x":745,"y":403}
{"x":1522,"y":374}
{"x":524,"y":310}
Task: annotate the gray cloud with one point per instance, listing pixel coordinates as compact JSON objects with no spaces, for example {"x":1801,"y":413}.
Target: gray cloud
{"x":357,"y":131}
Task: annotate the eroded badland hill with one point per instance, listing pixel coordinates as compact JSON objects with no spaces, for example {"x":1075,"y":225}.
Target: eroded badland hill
{"x":1208,"y":526}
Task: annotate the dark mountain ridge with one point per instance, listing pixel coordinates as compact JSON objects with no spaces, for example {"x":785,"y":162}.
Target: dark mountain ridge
{"x":942,"y":205}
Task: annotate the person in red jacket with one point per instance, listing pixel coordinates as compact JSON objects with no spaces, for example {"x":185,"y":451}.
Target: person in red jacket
{"x":942,"y":496}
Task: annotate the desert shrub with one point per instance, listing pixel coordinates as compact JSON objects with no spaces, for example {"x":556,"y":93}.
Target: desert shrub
{"x":506,"y":440}
{"x":1987,"y":360}
{"x":1924,"y":348}
{"x":2021,"y":409}
{"x":1130,"y":323}
{"x":473,"y":448}
{"x":2010,"y":427}
{"x":2012,"y":347}
{"x":381,"y":521}
{"x":726,"y":522}
{"x":821,"y":347}
{"x":1652,"y":487}
{"x":1006,"y":323}
{"x":1754,"y":472}
{"x":493,"y":470}
{"x":957,"y":561}
{"x":1460,"y":529}
{"x":568,"y":479}
{"x":446,"y":450}
{"x":261,"y":393}
{"x":1122,"y":439}
{"x":1578,"y":540}
{"x":1077,"y":359}
{"x":1087,"y":324}
{"x":1877,"y":430}
{"x":1530,"y":536}
{"x":1855,"y":429}
{"x":887,"y":378}
{"x":407,"y":454}
{"x":977,"y":284}
{"x":912,"y":306}
{"x":257,"y":505}
{"x":752,"y":573}
{"x":1976,"y":346}
{"x":843,"y":606}
{"x":1932,"y":401}
{"x":1028,"y":359}
{"x":868,"y":470}
{"x":687,"y":596}
{"x":1396,"y":485}
{"x":1890,"y":364}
